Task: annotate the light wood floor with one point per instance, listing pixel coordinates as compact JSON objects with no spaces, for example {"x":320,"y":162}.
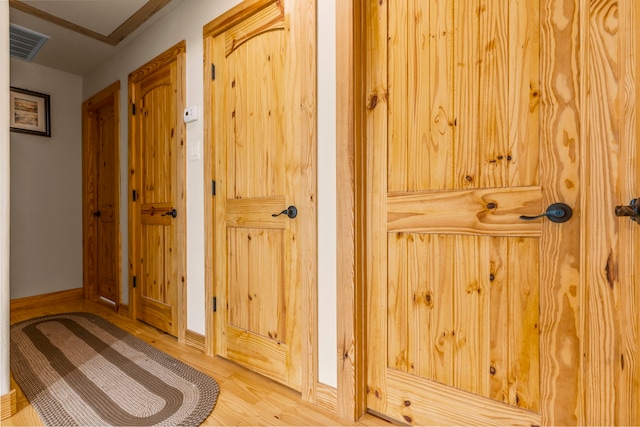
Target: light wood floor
{"x":245,"y":398}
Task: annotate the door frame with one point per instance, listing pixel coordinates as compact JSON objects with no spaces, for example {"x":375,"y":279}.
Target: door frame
{"x":107,"y":96}
{"x":304,"y":18}
{"x":561,"y":116}
{"x":175,"y":53}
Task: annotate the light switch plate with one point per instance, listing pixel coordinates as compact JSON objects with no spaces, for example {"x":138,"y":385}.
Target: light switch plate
{"x":194,"y":151}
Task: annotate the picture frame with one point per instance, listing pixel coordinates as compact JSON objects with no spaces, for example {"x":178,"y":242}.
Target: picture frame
{"x":30,"y":112}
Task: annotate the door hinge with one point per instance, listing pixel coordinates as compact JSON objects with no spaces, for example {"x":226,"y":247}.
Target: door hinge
{"x":215,"y":304}
{"x":133,"y":109}
{"x":134,"y":281}
{"x":134,"y":195}
{"x":213,"y":72}
{"x":213,"y":188}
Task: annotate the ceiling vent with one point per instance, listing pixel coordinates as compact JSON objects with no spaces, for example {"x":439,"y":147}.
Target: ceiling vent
{"x":24,"y":43}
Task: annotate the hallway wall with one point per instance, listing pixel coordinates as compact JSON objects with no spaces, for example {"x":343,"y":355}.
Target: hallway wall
{"x":46,"y":188}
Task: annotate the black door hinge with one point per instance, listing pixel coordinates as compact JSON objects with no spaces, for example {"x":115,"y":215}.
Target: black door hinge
{"x":215,"y":305}
{"x":134,"y":195}
{"x":133,"y":109}
{"x":134,"y":281}
{"x":213,"y":72}
{"x":213,"y":188}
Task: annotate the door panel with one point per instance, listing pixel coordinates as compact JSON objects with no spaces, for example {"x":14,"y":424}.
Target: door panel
{"x":101,"y":192}
{"x":158,"y":213}
{"x":107,"y":237}
{"x":263,"y":161}
{"x":455,"y":306}
{"x":479,"y":112}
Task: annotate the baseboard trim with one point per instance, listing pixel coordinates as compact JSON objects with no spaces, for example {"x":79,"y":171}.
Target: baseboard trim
{"x":327,"y":397}
{"x":51,"y":298}
{"x":194,"y":339}
{"x":8,"y":405}
{"x":123,"y":309}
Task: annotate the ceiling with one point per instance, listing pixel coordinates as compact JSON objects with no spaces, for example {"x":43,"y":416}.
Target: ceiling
{"x":85,"y":33}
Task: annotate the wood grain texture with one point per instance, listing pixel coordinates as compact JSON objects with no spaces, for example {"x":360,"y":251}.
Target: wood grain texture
{"x":445,"y":196}
{"x":611,"y":247}
{"x":420,"y":402}
{"x":351,"y":387}
{"x":8,"y":405}
{"x":484,"y":211}
{"x":561,"y":382}
{"x":157,"y":173}
{"x":264,"y":272}
{"x":375,"y":155}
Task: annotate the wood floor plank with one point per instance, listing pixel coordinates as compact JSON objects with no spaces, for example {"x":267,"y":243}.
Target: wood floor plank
{"x":246,"y":398}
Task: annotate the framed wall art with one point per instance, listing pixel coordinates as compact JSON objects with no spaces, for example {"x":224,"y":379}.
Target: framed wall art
{"x":30,"y":112}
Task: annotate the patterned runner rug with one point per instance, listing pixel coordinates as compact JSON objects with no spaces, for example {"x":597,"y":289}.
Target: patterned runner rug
{"x":79,"y":369}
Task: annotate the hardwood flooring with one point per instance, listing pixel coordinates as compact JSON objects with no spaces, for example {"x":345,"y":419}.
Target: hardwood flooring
{"x":246,"y":398}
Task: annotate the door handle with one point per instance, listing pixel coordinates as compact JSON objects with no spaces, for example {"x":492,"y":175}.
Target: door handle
{"x":97,"y":214}
{"x":172,"y":213}
{"x":632,"y":211}
{"x":557,"y":212}
{"x":291,"y":212}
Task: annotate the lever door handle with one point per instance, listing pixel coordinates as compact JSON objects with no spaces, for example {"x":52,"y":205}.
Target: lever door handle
{"x":557,"y":212}
{"x":291,"y":212}
{"x":172,"y":213}
{"x":632,"y":211}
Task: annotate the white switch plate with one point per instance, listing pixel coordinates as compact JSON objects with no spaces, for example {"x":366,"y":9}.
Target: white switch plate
{"x":191,"y":114}
{"x":194,"y":151}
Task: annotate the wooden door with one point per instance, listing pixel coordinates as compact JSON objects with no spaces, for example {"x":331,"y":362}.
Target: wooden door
{"x":454,"y":293}
{"x":610,"y":161}
{"x":477,"y":115}
{"x":101,"y":194}
{"x":107,"y":238}
{"x":263,"y":165}
{"x":158,"y":192}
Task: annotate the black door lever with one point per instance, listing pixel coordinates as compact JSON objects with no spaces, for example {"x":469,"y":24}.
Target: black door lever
{"x":632,"y":211}
{"x":291,"y":212}
{"x":557,"y":212}
{"x":172,"y":213}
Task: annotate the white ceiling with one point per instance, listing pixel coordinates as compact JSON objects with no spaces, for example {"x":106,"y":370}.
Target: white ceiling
{"x":74,"y":52}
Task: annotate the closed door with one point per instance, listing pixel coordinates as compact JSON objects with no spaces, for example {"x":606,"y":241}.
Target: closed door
{"x":264,"y":167}
{"x":475,"y":299}
{"x":101,"y":195}
{"x":108,"y":224}
{"x":157,"y":205}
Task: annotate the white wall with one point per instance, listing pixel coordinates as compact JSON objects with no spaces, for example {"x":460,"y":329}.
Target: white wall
{"x":327,"y":270}
{"x":4,"y":199}
{"x":185,"y":23}
{"x":46,"y":188}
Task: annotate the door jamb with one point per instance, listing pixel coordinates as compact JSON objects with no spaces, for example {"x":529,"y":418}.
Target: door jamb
{"x":108,"y":95}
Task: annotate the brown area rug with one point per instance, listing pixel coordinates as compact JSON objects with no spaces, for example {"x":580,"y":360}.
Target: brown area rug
{"x":79,"y":369}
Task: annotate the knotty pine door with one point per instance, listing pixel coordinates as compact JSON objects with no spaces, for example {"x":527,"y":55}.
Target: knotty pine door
{"x":263,"y":151}
{"x":480,"y":112}
{"x":158,"y":191}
